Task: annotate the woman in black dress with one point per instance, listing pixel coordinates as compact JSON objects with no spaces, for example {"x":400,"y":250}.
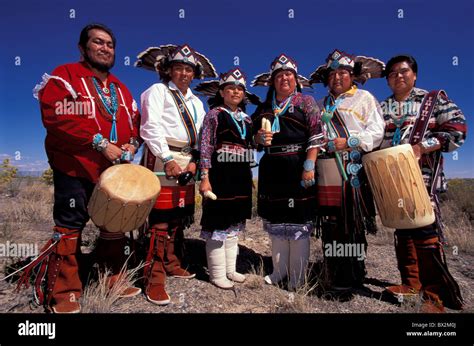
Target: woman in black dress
{"x":286,"y":181}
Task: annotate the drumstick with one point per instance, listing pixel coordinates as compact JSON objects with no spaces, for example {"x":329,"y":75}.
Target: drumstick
{"x":210,"y":194}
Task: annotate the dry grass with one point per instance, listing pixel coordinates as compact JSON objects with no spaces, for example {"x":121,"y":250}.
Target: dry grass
{"x":32,"y":204}
{"x":459,"y":230}
{"x":98,"y":297}
{"x":26,"y":216}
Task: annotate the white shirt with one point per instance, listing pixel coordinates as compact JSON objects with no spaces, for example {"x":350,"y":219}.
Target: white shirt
{"x":161,"y":120}
{"x":362,"y":116}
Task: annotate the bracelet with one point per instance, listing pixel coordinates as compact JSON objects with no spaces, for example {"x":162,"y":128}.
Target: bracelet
{"x":308,"y":165}
{"x":96,"y":139}
{"x":133,"y":141}
{"x":204,"y":174}
{"x":167,"y":159}
{"x":331,"y":146}
{"x":99,"y":143}
{"x":429,"y":143}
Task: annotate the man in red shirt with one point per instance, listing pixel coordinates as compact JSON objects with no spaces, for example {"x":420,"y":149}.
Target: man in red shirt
{"x":92,"y":122}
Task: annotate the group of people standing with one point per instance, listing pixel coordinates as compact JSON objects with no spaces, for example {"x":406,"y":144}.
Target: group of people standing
{"x":310,"y":175}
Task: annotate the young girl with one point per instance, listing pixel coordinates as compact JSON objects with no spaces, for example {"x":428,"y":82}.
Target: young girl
{"x":226,"y":177}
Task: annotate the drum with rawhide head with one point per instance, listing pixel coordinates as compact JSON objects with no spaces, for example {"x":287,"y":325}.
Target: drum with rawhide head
{"x":399,"y":191}
{"x":123,"y":197}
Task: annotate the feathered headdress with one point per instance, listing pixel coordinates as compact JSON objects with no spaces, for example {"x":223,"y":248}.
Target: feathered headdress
{"x":363,"y":67}
{"x":160,"y":58}
{"x":281,"y":62}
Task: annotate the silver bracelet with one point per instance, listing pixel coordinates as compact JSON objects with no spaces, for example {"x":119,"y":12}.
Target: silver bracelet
{"x":167,"y":159}
{"x":133,"y":141}
{"x":102,"y":145}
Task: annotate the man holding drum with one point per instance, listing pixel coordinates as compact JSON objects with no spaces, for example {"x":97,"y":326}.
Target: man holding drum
{"x":172,"y":119}
{"x":98,"y":128}
{"x":431,"y":128}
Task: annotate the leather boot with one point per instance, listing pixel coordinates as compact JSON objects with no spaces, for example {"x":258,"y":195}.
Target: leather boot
{"x":156,"y":277}
{"x":280,"y":259}
{"x":299,"y":259}
{"x":438,"y":286}
{"x":216,"y":263}
{"x":171,"y":260}
{"x":231,"y":252}
{"x":64,"y":286}
{"x":407,"y":261}
{"x":111,"y":254}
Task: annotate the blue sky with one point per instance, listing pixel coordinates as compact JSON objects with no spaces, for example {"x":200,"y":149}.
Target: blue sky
{"x":43,"y":35}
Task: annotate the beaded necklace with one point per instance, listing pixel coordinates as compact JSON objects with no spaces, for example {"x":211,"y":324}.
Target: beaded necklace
{"x":277,"y":110}
{"x":398,"y":121}
{"x":111,"y":107}
{"x":236,"y":117}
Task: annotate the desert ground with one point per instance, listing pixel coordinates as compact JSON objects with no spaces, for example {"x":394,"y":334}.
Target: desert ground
{"x":26,"y":217}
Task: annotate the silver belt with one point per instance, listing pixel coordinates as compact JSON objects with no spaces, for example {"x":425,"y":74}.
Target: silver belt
{"x":280,"y":149}
{"x":186,"y":150}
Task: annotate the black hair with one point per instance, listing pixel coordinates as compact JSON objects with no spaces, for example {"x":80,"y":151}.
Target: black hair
{"x":401,"y":58}
{"x":218,"y":100}
{"x":84,"y":36}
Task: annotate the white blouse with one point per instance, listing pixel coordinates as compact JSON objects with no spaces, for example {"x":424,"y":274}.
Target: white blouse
{"x":161,"y":120}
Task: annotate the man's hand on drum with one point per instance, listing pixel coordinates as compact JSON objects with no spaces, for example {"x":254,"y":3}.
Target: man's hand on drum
{"x":417,"y":150}
{"x":264,"y":137}
{"x":172,"y":169}
{"x":112,"y":153}
{"x":191,"y":167}
{"x":307,"y":179}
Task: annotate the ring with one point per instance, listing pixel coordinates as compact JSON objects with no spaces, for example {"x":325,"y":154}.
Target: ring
{"x":116,"y":161}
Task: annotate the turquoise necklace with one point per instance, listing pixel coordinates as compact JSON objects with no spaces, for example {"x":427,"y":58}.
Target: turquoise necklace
{"x":328,"y":114}
{"x":398,"y":122}
{"x":236,"y":116}
{"x":111,"y":107}
{"x":277,"y":111}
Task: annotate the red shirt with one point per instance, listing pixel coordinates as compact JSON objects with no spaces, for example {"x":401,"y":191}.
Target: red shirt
{"x":71,"y":125}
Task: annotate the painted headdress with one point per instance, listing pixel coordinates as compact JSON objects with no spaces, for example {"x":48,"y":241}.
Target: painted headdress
{"x":160,"y":58}
{"x":362,"y":66}
{"x":234,"y":76}
{"x":281,"y":62}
